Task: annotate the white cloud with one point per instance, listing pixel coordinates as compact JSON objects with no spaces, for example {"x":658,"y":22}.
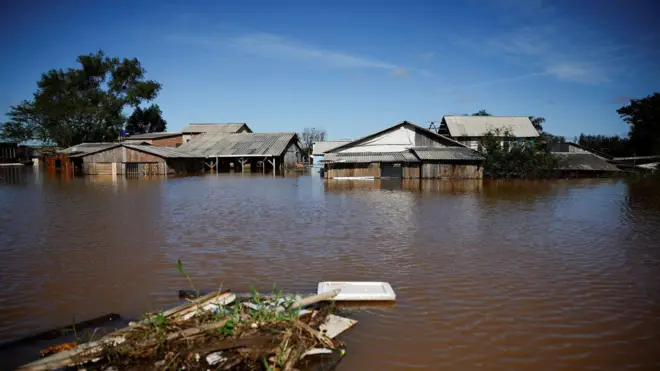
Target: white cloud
{"x":553,"y":45}
{"x":275,"y":47}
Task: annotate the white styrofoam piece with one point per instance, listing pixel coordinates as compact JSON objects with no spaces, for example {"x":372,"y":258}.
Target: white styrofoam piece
{"x":315,"y":351}
{"x":358,"y":290}
{"x":335,"y":325}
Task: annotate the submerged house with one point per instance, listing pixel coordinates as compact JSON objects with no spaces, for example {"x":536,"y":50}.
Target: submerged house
{"x":8,"y":152}
{"x":193,"y":130}
{"x":470,"y":130}
{"x":125,"y":159}
{"x":404,"y":150}
{"x":156,"y":139}
{"x":265,"y":152}
{"x":576,"y":161}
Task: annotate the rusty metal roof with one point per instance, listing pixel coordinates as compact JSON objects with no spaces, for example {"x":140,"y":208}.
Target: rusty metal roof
{"x":240,"y":145}
{"x":367,"y":157}
{"x":447,"y":153}
{"x":478,"y":126}
{"x":214,"y":128}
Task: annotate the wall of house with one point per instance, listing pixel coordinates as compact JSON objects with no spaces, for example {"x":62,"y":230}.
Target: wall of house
{"x":451,"y":171}
{"x":292,"y":156}
{"x":168,"y":142}
{"x":411,"y":171}
{"x":122,"y":154}
{"x":58,"y":163}
{"x":353,"y":170}
{"x":8,"y":152}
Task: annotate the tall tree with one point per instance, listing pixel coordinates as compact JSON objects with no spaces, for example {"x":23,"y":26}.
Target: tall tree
{"x":643,"y":116}
{"x":148,"y":120}
{"x":83,"y":104}
{"x":614,"y":146}
{"x":482,"y":112}
{"x":309,"y":136}
{"x":537,"y":122}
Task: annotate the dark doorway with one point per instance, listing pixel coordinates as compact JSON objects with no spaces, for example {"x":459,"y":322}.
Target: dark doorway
{"x":58,"y":164}
{"x":391,"y":171}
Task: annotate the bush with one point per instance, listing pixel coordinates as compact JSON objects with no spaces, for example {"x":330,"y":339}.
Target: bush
{"x":509,"y":157}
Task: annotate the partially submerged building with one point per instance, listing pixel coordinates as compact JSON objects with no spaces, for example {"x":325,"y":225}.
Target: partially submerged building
{"x":320,"y":148}
{"x":576,"y":161}
{"x":156,"y":139}
{"x":193,"y":130}
{"x":125,"y":159}
{"x":471,"y":130}
{"x":404,"y":150}
{"x":265,"y":152}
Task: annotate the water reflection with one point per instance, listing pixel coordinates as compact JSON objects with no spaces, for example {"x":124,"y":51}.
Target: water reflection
{"x":557,"y":275}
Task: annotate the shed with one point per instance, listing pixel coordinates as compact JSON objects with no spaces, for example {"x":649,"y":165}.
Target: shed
{"x":131,"y":159}
{"x":579,"y":161}
{"x":193,"y":130}
{"x":157,"y":139}
{"x":275,"y":152}
{"x":469,"y":130}
{"x":404,"y":150}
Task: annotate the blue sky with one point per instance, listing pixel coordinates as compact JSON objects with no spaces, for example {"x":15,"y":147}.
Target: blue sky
{"x":354,"y":67}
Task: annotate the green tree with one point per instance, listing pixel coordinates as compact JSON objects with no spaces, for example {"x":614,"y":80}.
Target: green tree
{"x":614,"y":146}
{"x":83,"y":104}
{"x":148,"y":120}
{"x":482,"y":112}
{"x":643,"y":116}
{"x":537,"y":122}
{"x":508,"y":157}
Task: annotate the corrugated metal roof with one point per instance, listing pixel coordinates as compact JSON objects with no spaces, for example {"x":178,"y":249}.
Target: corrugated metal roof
{"x":214,"y":128}
{"x":164,"y":152}
{"x":319,"y":148}
{"x":84,"y":148}
{"x":237,"y":145}
{"x":583,"y":162}
{"x":152,"y":136}
{"x":367,"y":157}
{"x":478,"y":126}
{"x":448,"y":153}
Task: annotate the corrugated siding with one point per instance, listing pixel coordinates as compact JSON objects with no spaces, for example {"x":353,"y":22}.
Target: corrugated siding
{"x":448,"y":154}
{"x":236,"y":145}
{"x":411,"y":171}
{"x":215,"y":128}
{"x":583,"y":162}
{"x":478,"y":126}
{"x":368,"y":157}
{"x":163,"y":152}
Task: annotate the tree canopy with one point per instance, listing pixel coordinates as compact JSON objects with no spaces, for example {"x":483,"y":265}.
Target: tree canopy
{"x":83,"y":104}
{"x":643,"y":116}
{"x":148,"y":120}
{"x":482,"y":112}
{"x":614,"y":146}
{"x":309,"y":136}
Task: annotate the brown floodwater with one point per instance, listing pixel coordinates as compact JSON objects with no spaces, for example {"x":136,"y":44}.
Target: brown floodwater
{"x":559,"y":275}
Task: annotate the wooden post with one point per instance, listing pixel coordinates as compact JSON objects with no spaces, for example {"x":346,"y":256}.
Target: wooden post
{"x":263,"y":165}
{"x":217,"y":165}
{"x":274,"y":166}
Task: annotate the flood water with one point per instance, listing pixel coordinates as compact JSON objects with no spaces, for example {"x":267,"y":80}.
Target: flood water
{"x":561,"y":275}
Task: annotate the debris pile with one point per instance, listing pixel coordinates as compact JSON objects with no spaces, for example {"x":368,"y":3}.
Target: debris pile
{"x":218,"y":331}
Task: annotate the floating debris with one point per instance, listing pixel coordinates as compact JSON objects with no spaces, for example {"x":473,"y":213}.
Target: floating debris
{"x":218,"y":331}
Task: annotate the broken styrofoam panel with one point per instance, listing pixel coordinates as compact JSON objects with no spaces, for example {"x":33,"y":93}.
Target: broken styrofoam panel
{"x":358,"y":290}
{"x":213,"y":306}
{"x":335,"y":325}
{"x":315,"y":351}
